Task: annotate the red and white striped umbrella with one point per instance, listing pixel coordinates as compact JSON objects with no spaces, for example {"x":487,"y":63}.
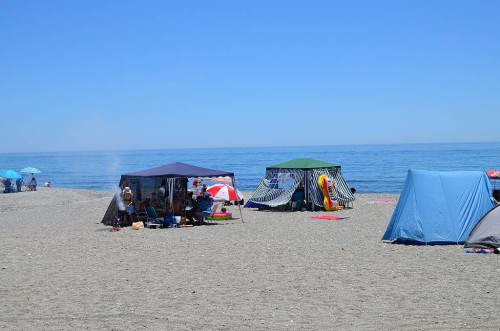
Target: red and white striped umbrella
{"x":224,"y":192}
{"x":493,"y":174}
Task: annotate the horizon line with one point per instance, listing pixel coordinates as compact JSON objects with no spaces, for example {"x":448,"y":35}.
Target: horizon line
{"x":247,"y":147}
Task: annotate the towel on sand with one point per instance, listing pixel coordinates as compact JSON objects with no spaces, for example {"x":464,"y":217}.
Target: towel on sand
{"x":383,"y":202}
{"x":329,"y":218}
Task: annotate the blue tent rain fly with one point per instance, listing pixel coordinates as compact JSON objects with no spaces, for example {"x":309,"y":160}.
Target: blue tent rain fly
{"x":439,"y":207}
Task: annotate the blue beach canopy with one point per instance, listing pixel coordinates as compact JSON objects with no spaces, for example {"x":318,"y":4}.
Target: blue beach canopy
{"x":10,"y":174}
{"x":439,"y":207}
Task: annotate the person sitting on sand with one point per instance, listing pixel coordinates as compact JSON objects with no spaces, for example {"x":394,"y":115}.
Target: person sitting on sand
{"x":8,"y":186}
{"x":32,"y":184}
{"x":47,"y":184}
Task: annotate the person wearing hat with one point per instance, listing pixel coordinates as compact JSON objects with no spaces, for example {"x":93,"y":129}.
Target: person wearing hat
{"x":128,"y":200}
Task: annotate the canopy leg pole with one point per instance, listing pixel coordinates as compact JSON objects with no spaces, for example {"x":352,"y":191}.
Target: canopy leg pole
{"x":306,"y":188}
{"x":236,"y":192}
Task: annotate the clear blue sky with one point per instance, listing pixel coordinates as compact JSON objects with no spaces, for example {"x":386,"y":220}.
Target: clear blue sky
{"x":106,"y":75}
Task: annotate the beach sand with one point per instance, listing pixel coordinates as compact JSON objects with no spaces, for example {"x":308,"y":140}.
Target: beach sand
{"x":60,"y":269}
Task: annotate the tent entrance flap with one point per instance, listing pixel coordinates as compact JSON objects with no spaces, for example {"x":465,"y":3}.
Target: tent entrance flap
{"x":277,"y":187}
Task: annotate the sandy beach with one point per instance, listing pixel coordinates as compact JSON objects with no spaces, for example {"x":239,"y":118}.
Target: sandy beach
{"x":61,"y":269}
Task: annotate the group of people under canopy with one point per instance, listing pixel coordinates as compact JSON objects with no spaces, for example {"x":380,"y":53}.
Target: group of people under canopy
{"x":163,"y":191}
{"x":158,"y":205}
{"x":11,"y":186}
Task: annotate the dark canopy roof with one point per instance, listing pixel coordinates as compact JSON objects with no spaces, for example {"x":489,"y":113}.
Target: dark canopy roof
{"x":304,"y":164}
{"x":179,"y":169}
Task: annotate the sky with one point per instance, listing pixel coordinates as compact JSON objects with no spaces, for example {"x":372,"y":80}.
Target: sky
{"x":116,"y":75}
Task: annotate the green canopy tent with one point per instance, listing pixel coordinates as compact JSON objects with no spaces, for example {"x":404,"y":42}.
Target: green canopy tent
{"x":283,"y":179}
{"x":304,"y":164}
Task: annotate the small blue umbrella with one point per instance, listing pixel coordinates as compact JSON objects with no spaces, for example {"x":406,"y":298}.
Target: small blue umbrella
{"x":10,"y":174}
{"x":30,"y":170}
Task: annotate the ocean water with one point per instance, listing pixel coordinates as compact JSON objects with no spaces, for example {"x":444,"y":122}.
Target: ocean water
{"x":368,"y":168}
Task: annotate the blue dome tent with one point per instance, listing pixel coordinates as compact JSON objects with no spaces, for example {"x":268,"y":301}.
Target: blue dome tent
{"x":439,"y":207}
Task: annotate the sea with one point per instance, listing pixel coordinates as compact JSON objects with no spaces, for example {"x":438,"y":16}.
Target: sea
{"x":367,"y":168}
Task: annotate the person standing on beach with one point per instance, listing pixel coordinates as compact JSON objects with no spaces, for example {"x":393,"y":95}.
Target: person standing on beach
{"x":19,"y":184}
{"x":128,"y":199}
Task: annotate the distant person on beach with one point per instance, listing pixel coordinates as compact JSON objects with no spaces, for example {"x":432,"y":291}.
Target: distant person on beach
{"x":19,"y":184}
{"x":47,"y":184}
{"x":8,"y":186}
{"x":32,"y":184}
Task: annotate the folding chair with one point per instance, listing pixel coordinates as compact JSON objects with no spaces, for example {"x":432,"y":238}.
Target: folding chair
{"x":152,"y":217}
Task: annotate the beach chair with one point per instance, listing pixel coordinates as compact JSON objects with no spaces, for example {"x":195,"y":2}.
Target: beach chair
{"x":205,"y":211}
{"x":208,"y":215}
{"x":141,"y":216}
{"x":152,"y":217}
{"x":215,"y":206}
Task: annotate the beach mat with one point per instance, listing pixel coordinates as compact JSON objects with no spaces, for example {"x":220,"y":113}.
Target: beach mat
{"x":329,"y":218}
{"x":382,"y":202}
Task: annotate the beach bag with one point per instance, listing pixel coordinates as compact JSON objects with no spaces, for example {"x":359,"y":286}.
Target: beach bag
{"x":169,"y":220}
{"x":137,"y":225}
